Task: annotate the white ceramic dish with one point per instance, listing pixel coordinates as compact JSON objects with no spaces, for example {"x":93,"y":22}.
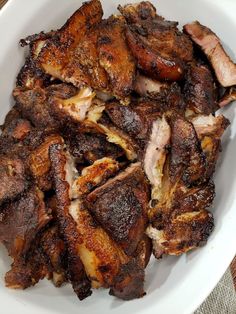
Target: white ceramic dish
{"x":173,"y":285}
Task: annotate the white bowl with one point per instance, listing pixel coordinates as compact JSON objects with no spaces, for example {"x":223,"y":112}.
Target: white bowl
{"x":174,"y":285}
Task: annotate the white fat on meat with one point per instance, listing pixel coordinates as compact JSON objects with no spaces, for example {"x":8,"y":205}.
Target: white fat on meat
{"x":144,"y":85}
{"x":78,"y":105}
{"x":155,"y":155}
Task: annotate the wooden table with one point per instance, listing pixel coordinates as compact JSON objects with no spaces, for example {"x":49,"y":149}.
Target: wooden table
{"x":233,"y":264}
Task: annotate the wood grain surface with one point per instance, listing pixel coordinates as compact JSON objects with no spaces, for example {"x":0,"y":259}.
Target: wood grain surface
{"x":233,"y":264}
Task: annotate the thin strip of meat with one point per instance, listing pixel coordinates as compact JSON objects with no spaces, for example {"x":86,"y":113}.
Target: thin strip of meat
{"x":209,"y":42}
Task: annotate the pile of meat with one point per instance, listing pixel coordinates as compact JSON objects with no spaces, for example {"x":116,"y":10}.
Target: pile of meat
{"x":109,"y":151}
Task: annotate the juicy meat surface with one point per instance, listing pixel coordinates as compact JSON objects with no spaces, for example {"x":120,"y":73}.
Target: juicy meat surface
{"x":120,"y":206}
{"x":209,"y":42}
{"x":56,"y":52}
{"x":86,"y":71}
{"x":199,"y":90}
{"x":158,"y":47}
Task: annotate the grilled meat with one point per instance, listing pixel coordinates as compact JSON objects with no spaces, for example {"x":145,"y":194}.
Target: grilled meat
{"x":115,"y":57}
{"x":109,"y":151}
{"x":158,"y":47}
{"x":56,"y":51}
{"x":120,"y":206}
{"x":208,"y":41}
{"x":13,"y":178}
{"x":21,"y":221}
{"x":199,"y":90}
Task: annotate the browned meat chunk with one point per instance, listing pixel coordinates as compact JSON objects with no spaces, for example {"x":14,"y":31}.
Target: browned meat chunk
{"x":94,"y":175}
{"x":63,"y":171}
{"x":157,"y":45}
{"x":88,"y":147}
{"x":209,"y":130}
{"x":13,"y":178}
{"x":21,"y":221}
{"x":28,"y":272}
{"x":55,"y":53}
{"x":54,"y":251}
{"x":187,"y":159}
{"x":120,"y":206}
{"x":39,"y":162}
{"x":86,"y":71}
{"x":199,"y":90}
{"x":129,"y":282}
{"x":208,"y":41}
{"x":185,"y":232}
{"x":15,"y":127}
{"x":115,"y":57}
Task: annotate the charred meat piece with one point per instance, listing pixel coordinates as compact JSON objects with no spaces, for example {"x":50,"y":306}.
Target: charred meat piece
{"x":55,"y":54}
{"x":185,"y":232}
{"x":210,"y":44}
{"x":53,"y":106}
{"x":209,"y":130}
{"x":157,"y":45}
{"x":89,"y":147}
{"x":128,"y":120}
{"x":129,"y":283}
{"x":13,"y":178}
{"x":199,"y":90}
{"x":35,"y":104}
{"x":28,"y":272}
{"x":15,"y":127}
{"x":88,"y":245}
{"x":21,"y":221}
{"x":54,"y":251}
{"x":82,"y":70}
{"x":98,"y":122}
{"x":150,"y":60}
{"x":228,"y":97}
{"x":63,"y":173}
{"x":120,"y":206}
{"x":39,"y":162}
{"x":115,"y":57}
{"x":187,"y":159}
{"x":73,"y":108}
{"x":94,"y":175}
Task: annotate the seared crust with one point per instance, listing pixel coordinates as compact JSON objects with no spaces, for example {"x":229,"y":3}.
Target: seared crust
{"x":115,"y":57}
{"x":199,"y":90}
{"x":55,"y":54}
{"x":21,"y":221}
{"x":67,"y":225}
{"x":120,"y":206}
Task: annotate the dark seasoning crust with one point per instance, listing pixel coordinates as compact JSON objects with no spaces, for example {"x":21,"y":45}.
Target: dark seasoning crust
{"x":109,"y":151}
